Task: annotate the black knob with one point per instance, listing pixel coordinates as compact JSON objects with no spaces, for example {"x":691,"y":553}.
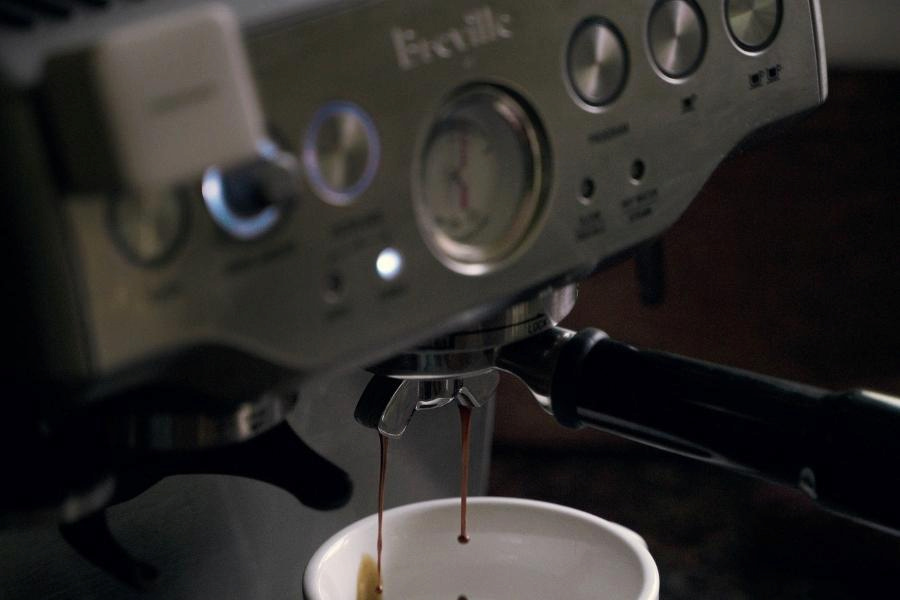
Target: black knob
{"x":248,"y":200}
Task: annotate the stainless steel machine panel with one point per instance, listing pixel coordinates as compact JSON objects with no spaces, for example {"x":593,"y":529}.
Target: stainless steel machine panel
{"x":305,"y":293}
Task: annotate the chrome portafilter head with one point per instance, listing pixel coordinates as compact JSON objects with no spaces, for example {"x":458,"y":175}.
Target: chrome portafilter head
{"x":388,"y":404}
{"x":463,"y":366}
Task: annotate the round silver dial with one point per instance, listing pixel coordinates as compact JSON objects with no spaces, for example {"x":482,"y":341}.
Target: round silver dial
{"x":479,"y":180}
{"x":753,"y":23}
{"x":677,"y":37}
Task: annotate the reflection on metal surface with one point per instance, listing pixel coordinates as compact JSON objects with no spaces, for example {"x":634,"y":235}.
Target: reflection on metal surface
{"x":162,"y":429}
{"x":474,"y":391}
{"x":677,"y":37}
{"x":753,"y":23}
{"x":474,"y":351}
{"x":533,"y":362}
{"x":597,"y":62}
{"x":341,"y":152}
{"x":389,"y":264}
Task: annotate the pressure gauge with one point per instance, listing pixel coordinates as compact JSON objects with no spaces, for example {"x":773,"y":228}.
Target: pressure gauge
{"x":479,"y":182}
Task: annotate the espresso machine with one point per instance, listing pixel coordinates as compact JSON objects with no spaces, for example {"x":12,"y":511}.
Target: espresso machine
{"x":245,"y":235}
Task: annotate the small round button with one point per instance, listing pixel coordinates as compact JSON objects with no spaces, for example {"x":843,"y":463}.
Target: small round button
{"x":677,"y":37}
{"x":753,"y":24}
{"x":597,"y":62}
{"x":341,"y":152}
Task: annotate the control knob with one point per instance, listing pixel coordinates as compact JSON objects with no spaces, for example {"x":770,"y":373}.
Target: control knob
{"x":248,"y":200}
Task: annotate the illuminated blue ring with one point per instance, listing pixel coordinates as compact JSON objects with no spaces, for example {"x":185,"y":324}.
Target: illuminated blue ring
{"x":311,"y":156}
{"x":242,"y":228}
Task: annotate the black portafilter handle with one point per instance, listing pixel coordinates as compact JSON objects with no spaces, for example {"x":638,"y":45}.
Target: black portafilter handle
{"x":842,"y":449}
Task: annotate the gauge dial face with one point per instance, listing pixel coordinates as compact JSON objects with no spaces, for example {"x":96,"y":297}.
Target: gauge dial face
{"x":478,"y":193}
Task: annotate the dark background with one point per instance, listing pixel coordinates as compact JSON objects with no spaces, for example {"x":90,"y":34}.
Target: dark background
{"x":787,"y":264}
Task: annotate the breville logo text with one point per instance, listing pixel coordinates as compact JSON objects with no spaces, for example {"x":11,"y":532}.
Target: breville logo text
{"x":480,"y":27}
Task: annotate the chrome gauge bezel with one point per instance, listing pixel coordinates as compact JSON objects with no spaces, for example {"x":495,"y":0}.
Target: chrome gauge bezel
{"x":479,"y":259}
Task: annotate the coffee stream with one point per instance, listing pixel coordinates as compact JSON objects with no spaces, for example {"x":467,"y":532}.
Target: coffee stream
{"x":465,"y":422}
{"x":363,"y":588}
{"x":381,"y":477}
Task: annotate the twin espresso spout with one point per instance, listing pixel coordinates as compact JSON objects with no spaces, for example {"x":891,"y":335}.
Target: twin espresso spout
{"x":388,"y":404}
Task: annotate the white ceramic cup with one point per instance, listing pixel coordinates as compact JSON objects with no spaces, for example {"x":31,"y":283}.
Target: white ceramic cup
{"x":518,"y":550}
